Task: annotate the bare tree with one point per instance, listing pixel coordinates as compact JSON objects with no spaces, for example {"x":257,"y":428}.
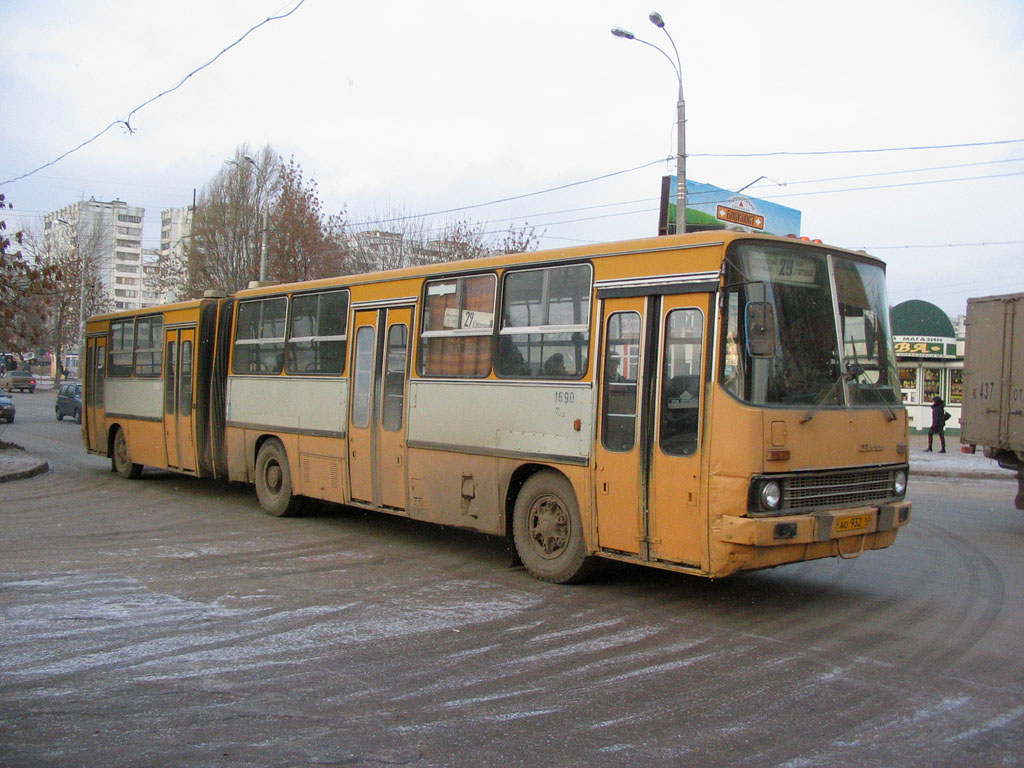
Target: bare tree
{"x":409,"y":240}
{"x":67,"y":249}
{"x":519,"y":239}
{"x":227,"y":226}
{"x":304,"y":245}
{"x":24,"y":287}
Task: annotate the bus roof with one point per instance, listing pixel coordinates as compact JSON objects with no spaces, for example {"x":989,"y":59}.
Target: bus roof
{"x":590,"y":251}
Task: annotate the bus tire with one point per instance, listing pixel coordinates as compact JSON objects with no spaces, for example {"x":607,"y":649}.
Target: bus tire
{"x":121,"y":459}
{"x":274,"y":481}
{"x":548,"y":532}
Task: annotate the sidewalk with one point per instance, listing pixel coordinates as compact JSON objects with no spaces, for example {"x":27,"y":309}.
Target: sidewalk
{"x":15,"y":464}
{"x":953,"y":463}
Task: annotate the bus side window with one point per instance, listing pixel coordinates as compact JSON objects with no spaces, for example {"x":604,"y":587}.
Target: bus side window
{"x":545,"y":323}
{"x":259,"y":336}
{"x":457,"y":326}
{"x":122,"y":341}
{"x":149,"y":335}
{"x":317,"y":333}
{"x":621,"y":366}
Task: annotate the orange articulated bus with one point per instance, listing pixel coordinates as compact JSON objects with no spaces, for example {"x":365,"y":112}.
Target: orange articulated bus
{"x":709,"y":403}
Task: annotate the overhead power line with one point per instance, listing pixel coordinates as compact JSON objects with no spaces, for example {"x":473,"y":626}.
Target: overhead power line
{"x":538,"y":214}
{"x":410,"y":217}
{"x":509,"y":199}
{"x":941,"y":245}
{"x":764,"y":197}
{"x":857,"y":151}
{"x":893,"y":186}
{"x":127,"y":121}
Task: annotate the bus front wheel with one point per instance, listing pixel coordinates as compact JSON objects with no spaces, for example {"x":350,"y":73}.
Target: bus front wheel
{"x":122,"y":458}
{"x":547,"y":530}
{"x":274,"y":481}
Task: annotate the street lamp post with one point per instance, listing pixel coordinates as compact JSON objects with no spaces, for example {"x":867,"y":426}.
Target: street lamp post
{"x":263,"y":215}
{"x":677,"y":67}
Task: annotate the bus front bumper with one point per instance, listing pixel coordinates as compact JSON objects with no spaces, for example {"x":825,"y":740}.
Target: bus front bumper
{"x":814,"y":527}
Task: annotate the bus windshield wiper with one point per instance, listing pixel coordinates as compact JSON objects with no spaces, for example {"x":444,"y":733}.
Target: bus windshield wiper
{"x":825,"y":396}
{"x":853,"y":373}
{"x":857,"y":371}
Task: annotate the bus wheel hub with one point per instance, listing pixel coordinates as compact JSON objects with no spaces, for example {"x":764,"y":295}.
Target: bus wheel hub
{"x":549,"y":526}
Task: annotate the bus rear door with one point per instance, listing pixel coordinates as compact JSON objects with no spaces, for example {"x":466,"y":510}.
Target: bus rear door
{"x":94,"y":423}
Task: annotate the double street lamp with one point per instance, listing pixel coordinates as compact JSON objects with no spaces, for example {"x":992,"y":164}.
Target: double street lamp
{"x":659,"y":22}
{"x":264,"y":215}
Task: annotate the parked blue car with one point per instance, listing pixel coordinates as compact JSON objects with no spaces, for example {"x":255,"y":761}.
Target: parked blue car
{"x":69,"y":401}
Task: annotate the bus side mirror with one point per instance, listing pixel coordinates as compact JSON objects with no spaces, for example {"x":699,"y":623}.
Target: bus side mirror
{"x":760,"y":329}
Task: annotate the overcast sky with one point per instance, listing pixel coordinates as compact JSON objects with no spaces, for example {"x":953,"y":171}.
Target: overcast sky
{"x":399,"y":105}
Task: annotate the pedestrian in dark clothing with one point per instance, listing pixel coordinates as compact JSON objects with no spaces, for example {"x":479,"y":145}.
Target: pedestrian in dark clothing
{"x":939,"y":419}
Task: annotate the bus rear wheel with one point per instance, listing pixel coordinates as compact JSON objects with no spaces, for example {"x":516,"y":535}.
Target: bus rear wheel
{"x":548,"y":532}
{"x":274,"y":481}
{"x":121,"y":460}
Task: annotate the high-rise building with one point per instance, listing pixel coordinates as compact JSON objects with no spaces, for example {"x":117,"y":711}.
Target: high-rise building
{"x":175,"y":229}
{"x":107,"y":237}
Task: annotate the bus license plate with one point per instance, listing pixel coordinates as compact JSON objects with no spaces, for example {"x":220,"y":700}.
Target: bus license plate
{"x":853,"y":523}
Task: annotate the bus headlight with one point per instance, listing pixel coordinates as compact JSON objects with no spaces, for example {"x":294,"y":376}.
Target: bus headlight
{"x":771,"y":496}
{"x":899,"y":482}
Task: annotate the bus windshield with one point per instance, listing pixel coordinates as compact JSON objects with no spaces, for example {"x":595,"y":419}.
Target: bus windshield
{"x":803,"y":326}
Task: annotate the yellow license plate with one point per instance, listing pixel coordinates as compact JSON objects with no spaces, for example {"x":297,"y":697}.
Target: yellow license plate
{"x":853,"y":523}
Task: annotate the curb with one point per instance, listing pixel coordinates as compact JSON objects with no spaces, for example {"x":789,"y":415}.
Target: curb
{"x":20,"y":474}
{"x":1007,"y":475}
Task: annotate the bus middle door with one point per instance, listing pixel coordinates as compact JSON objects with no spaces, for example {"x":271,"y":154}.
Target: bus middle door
{"x":179,"y":439}
{"x":619,"y":452}
{"x":376,"y":435}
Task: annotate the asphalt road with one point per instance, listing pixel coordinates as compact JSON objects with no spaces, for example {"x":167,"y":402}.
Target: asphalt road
{"x":167,"y":622}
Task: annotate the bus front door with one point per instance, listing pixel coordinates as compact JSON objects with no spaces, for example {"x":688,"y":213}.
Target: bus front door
{"x":677,"y":528}
{"x":377,"y":473}
{"x":179,"y":434}
{"x":651,"y":403}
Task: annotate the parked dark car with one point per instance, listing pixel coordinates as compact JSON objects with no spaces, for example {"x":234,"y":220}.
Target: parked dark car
{"x":6,"y":408}
{"x":20,"y":380}
{"x":69,"y":401}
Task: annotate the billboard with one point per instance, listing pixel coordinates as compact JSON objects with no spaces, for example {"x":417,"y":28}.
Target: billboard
{"x":711,"y":207}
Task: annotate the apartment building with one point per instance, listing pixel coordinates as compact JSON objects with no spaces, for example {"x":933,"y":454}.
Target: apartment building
{"x":175,"y":229}
{"x":108,"y":236}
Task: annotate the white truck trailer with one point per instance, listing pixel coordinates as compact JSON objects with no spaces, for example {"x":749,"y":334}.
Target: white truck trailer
{"x":993,"y":402}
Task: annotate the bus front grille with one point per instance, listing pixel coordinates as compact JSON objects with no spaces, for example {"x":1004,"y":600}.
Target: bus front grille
{"x":837,"y":489}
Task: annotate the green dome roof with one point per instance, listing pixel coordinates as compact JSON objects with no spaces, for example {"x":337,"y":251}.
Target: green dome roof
{"x":920,"y":318}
